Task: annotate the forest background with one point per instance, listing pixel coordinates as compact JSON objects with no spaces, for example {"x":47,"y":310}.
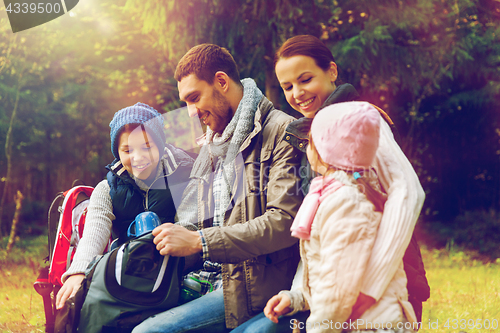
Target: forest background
{"x":433,"y":65}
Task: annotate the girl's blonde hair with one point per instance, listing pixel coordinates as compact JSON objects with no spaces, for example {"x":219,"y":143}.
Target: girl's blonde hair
{"x":374,"y":195}
{"x":330,"y":169}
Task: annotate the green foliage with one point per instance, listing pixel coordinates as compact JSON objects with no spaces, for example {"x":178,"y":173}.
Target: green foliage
{"x":251,"y":30}
{"x":431,"y":64}
{"x":28,"y":252}
{"x":411,"y":45}
{"x":455,"y":256}
{"x":34,"y":217}
{"x":68,"y":93}
{"x":477,"y":232}
{"x":458,"y":147}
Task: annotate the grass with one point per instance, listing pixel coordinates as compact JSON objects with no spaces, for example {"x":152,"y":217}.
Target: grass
{"x":22,"y":307}
{"x":463,"y":286}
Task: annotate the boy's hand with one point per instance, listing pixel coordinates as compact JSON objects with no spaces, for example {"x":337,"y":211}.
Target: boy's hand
{"x":177,"y":241}
{"x":277,"y":305}
{"x":69,"y":289}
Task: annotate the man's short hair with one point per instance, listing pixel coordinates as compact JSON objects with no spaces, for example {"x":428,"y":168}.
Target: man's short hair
{"x":204,"y":61}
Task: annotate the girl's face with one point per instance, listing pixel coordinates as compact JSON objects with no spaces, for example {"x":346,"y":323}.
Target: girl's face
{"x":316,"y":164}
{"x":138,"y":153}
{"x":305,"y":84}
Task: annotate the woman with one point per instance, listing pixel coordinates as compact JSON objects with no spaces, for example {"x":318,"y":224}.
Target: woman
{"x":307,"y":73}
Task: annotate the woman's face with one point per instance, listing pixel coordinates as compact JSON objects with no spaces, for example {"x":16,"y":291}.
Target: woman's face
{"x":305,"y":84}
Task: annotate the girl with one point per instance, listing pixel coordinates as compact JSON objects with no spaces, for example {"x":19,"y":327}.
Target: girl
{"x":146,"y":175}
{"x":338,"y":225}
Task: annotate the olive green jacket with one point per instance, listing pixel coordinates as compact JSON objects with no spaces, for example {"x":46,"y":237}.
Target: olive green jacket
{"x":259,"y":256}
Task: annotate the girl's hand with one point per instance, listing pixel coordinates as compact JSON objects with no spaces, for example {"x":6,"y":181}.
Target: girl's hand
{"x":69,"y":289}
{"x":277,"y":306}
{"x":363,"y":303}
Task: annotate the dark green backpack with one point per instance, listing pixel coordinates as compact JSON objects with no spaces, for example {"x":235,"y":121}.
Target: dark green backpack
{"x":126,"y":286}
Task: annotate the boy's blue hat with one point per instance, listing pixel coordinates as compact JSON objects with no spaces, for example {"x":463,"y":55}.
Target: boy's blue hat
{"x":140,"y":114}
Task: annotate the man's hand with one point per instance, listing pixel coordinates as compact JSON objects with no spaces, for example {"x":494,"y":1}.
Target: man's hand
{"x":69,"y":289}
{"x":177,"y":241}
{"x":277,"y":305}
{"x":363,"y":303}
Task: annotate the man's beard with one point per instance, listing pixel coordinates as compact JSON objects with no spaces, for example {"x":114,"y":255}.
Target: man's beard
{"x":224,"y":111}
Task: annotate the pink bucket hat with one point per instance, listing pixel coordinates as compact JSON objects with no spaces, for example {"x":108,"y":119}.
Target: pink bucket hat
{"x":346,"y":135}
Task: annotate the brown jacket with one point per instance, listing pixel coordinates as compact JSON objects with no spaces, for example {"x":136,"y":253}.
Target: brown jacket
{"x":258,"y":253}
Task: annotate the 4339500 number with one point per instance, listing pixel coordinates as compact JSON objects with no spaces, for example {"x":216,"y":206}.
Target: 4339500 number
{"x":471,"y":324}
{"x":24,"y":8}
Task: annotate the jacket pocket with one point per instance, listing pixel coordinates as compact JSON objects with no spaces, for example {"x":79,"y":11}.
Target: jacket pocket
{"x":277,"y":257}
{"x":269,"y":274}
{"x":252,"y":175}
{"x":257,"y":166}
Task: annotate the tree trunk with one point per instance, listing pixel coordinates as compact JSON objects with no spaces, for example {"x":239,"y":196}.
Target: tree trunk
{"x":8,"y":154}
{"x":272,"y":87}
{"x":19,"y":204}
{"x":272,"y":84}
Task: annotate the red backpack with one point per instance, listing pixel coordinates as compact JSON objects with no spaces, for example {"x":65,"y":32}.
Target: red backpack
{"x":66,"y":223}
{"x":73,"y":211}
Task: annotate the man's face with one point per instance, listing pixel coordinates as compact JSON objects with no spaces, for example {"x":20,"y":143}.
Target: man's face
{"x":205,"y":101}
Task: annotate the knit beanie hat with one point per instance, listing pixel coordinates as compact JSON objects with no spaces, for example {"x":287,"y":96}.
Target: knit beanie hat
{"x":346,"y":135}
{"x":140,"y":114}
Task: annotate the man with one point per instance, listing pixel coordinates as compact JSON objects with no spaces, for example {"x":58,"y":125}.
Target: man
{"x":243,"y":195}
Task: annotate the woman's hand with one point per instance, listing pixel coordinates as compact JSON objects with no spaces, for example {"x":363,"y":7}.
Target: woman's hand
{"x":277,"y":305}
{"x":69,"y":289}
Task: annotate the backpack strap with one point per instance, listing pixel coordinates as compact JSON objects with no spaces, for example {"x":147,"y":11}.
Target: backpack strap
{"x":81,"y":197}
{"x":389,"y":121}
{"x":53,"y":220}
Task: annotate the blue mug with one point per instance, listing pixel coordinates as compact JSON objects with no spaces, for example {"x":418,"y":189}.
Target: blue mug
{"x":144,"y":222}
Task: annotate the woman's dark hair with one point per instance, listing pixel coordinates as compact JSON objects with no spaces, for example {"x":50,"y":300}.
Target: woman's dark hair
{"x":306,"y":45}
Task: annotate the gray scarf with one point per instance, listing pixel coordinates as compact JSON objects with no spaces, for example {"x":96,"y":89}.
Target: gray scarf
{"x":219,"y":153}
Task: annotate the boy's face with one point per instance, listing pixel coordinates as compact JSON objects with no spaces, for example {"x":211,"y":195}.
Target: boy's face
{"x":138,"y":153}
